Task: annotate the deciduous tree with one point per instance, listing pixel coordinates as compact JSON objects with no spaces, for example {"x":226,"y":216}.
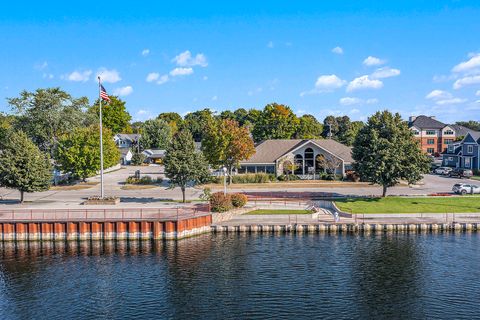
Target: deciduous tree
{"x":385,"y":152}
{"x":46,"y":114}
{"x":156,"y":134}
{"x":276,"y":121}
{"x":79,"y":152}
{"x":183,"y":164}
{"x":226,"y":144}
{"x":114,"y":115}
{"x":308,"y":128}
{"x":22,"y":165}
{"x":197,"y":121}
{"x":173,"y":119}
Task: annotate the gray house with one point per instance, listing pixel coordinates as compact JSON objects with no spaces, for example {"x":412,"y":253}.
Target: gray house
{"x":126,"y":140}
{"x":464,"y":154}
{"x":309,"y":156}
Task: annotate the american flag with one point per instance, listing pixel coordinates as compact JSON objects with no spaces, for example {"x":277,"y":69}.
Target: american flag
{"x":104,"y":94}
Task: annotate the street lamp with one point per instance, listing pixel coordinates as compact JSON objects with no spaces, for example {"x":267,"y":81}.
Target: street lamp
{"x":224,"y":181}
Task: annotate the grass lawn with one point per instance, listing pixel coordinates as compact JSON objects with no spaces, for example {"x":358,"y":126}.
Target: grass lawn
{"x":282,"y":211}
{"x":475,"y":178}
{"x":410,"y":205}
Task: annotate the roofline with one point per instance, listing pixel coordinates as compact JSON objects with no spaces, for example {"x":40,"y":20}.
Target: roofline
{"x":310,"y":140}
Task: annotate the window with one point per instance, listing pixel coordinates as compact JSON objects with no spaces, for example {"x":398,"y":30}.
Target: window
{"x":448,"y":141}
{"x":467,"y":162}
{"x":308,"y":159}
{"x":270,"y":169}
{"x":431,"y":150}
{"x":430,"y":141}
{"x":431,"y":132}
{"x":298,"y":160}
{"x":450,"y":149}
{"x":448,"y":131}
{"x":416,"y":132}
{"x":469,"y":149}
{"x":450,"y":158}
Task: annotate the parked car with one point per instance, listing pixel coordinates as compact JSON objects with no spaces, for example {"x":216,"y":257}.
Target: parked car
{"x":443,"y":170}
{"x":462,"y":188}
{"x":460,"y":173}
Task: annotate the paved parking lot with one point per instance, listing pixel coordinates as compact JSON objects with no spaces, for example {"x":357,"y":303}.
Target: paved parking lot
{"x":153,"y":197}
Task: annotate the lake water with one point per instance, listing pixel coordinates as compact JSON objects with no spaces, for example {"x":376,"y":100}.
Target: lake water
{"x":408,"y":276}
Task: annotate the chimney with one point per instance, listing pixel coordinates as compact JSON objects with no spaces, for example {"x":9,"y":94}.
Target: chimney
{"x":412,"y":118}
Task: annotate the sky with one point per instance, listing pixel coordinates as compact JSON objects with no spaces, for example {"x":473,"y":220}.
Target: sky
{"x":318,"y":57}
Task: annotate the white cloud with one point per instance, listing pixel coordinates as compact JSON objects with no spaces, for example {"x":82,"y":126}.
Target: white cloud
{"x":214,"y":98}
{"x":48,"y":76}
{"x":181,"y":72}
{"x":270,"y":44}
{"x":438,"y":94}
{"x":466,"y":81}
{"x":364,"y":82}
{"x":153,"y":76}
{"x":385,"y":72}
{"x":329,"y":82}
{"x":41,"y":66}
{"x":145,"y":52}
{"x":372,"y":101}
{"x":477,"y":93}
{"x":123,"y":91}
{"x":349,"y":101}
{"x":205,"y":78}
{"x":373,"y":61}
{"x":163,"y":79}
{"x":451,"y":101}
{"x":109,"y":76}
{"x":142,"y":115}
{"x":300,"y":112}
{"x":337,"y":50}
{"x":185,"y":59}
{"x":354,"y":111}
{"x":472,"y":63}
{"x":78,"y":76}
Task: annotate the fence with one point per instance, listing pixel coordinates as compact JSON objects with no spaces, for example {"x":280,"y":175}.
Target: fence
{"x":125,"y":214}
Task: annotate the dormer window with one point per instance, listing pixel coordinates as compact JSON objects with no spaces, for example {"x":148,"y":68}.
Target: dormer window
{"x":448,"y":132}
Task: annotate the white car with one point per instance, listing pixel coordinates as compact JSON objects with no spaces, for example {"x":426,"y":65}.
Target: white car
{"x":462,"y":188}
{"x":443,"y":170}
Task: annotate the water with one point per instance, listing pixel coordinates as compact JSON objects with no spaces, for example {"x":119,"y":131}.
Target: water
{"x":246,"y":277}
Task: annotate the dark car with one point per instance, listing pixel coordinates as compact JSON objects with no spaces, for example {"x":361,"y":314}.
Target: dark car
{"x":460,"y":173}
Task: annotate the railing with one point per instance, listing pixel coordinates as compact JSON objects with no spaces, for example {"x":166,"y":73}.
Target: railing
{"x":125,"y":214}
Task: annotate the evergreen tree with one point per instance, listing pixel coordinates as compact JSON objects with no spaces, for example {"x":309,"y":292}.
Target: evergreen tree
{"x":22,"y":165}
{"x":385,"y":152}
{"x":183,"y":164}
{"x":79,"y":152}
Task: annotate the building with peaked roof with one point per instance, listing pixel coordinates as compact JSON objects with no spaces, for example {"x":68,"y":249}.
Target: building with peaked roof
{"x":309,"y":156}
{"x":126,"y":140}
{"x":435,"y":136}
{"x":464,"y":154}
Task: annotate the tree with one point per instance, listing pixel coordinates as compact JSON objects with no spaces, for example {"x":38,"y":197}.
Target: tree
{"x":182,"y":163}
{"x":277,"y":121}
{"x":46,"y":114}
{"x":330,"y":127}
{"x":308,"y":128}
{"x":328,"y":163}
{"x":79,"y":152}
{"x":156,"y":134}
{"x":197,"y":121}
{"x":22,"y":165}
{"x":385,"y":152}
{"x":114,"y":115}
{"x":226,"y":144}
{"x":173,"y":119}
{"x":138,"y":158}
{"x":348,"y":137}
{"x":473,"y":125}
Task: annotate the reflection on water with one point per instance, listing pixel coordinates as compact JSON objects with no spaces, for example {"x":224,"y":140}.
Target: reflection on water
{"x":260,"y":276}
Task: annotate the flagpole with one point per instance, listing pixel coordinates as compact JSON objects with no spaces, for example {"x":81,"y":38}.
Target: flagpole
{"x":101,"y":138}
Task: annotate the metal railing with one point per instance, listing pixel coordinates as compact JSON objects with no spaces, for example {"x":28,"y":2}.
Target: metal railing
{"x":87,"y":214}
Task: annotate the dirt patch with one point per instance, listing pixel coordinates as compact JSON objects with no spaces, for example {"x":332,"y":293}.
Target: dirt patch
{"x":138,"y":186}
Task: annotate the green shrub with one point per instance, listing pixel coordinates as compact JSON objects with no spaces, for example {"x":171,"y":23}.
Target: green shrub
{"x":290,"y":177}
{"x":143,"y":180}
{"x":138,"y":159}
{"x":239,"y":200}
{"x":220,"y":202}
{"x":253,"y":178}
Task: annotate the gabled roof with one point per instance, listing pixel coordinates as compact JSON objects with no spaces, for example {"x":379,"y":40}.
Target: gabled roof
{"x":132,"y":137}
{"x":154,"y":153}
{"x":269,"y":151}
{"x":474,"y":134}
{"x":424,"y":122}
{"x":460,"y":130}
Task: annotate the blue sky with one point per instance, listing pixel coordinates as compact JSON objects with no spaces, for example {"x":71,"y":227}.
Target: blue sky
{"x":348,"y":57}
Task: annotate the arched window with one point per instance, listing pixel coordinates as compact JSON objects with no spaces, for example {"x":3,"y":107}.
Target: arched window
{"x":298,"y":160}
{"x":309,"y":162}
